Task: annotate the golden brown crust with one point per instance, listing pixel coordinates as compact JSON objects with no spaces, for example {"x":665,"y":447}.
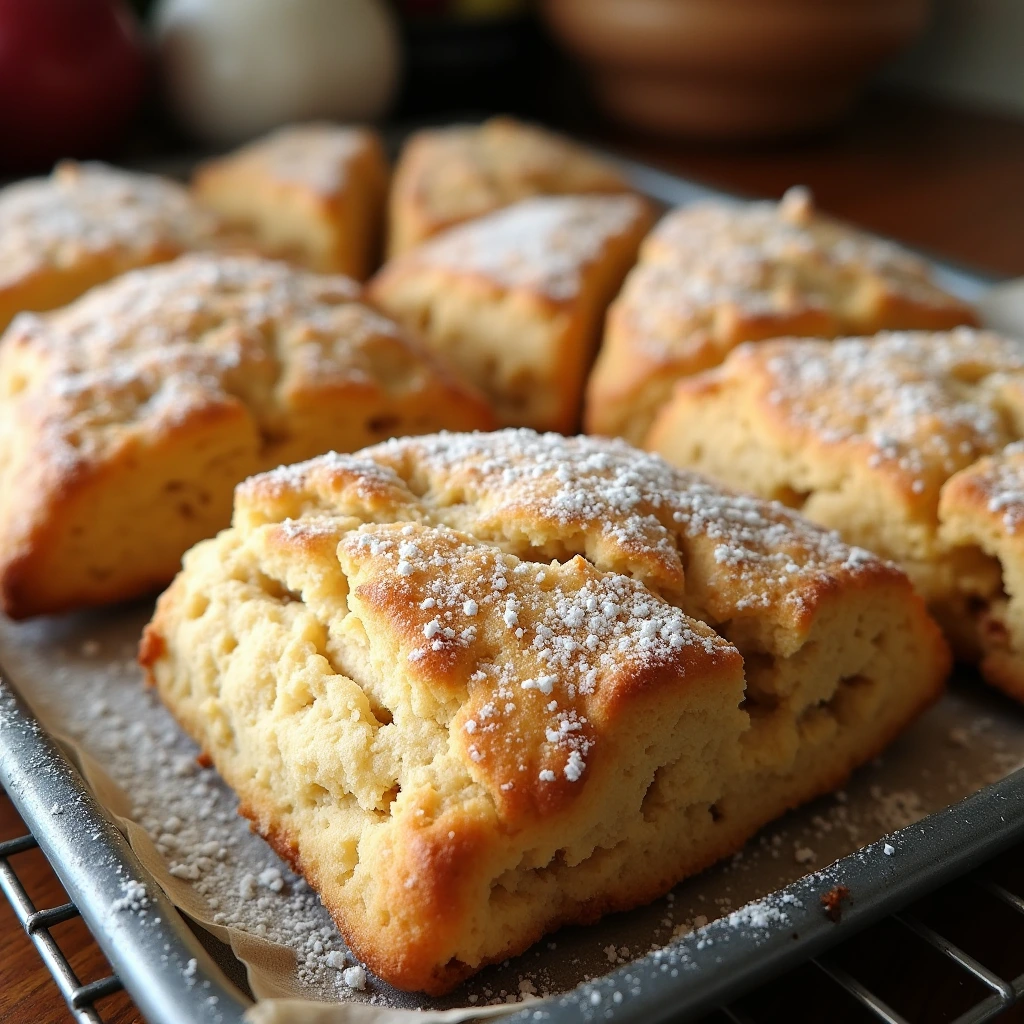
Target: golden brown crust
{"x":714,"y":275}
{"x":897,"y":441}
{"x":478,"y":686}
{"x":515,"y":300}
{"x":449,"y":175}
{"x":127,"y":418}
{"x":310,"y":193}
{"x":87,"y":223}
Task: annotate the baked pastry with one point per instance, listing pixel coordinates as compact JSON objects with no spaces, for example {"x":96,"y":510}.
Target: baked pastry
{"x":448,"y":175}
{"x":867,"y":436}
{"x":477,"y":686}
{"x":127,"y":418}
{"x":715,"y":274}
{"x":515,"y":300}
{"x":313,"y":194}
{"x":85,"y":224}
{"x":981,"y":510}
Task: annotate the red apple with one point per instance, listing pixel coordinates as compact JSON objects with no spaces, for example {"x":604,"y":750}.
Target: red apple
{"x":72,"y":73}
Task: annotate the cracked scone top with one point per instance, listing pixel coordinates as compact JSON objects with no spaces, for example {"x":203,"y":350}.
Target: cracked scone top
{"x":127,"y":418}
{"x":476,"y":686}
{"x":883,"y":439}
{"x":85,"y":224}
{"x":715,"y":274}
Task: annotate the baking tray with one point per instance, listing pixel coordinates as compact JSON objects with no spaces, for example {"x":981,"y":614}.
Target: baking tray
{"x":173,"y":979}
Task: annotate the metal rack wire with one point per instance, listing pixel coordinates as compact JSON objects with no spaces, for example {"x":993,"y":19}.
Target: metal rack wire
{"x":81,"y":999}
{"x":995,"y":992}
{"x":151,"y":950}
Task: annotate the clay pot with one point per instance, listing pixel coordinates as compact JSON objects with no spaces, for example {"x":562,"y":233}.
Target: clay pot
{"x":732,"y":68}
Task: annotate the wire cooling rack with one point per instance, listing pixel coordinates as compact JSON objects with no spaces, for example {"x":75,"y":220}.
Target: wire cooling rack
{"x":81,"y":999}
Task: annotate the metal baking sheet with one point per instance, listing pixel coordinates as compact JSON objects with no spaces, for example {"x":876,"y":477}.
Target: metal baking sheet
{"x":942,"y":799}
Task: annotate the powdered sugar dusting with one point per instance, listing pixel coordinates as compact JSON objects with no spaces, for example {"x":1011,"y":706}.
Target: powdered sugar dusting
{"x":541,"y":244}
{"x":923,"y":405}
{"x":762,"y":260}
{"x":316,"y":156}
{"x":1003,"y":483}
{"x":628,"y":510}
{"x":574,"y":634}
{"x":86,"y":210}
{"x":157,"y":346}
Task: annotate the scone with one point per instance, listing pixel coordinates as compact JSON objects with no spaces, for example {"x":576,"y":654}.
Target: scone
{"x":715,"y":274}
{"x":982,"y":510}
{"x":867,"y":436}
{"x":448,"y":175}
{"x":85,"y":224}
{"x":313,"y":194}
{"x":127,"y":418}
{"x":515,"y":300}
{"x":477,"y":686}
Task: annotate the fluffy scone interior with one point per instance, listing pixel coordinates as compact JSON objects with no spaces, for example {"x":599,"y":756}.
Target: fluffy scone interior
{"x":127,"y":418}
{"x":478,"y":686}
{"x":880,"y":438}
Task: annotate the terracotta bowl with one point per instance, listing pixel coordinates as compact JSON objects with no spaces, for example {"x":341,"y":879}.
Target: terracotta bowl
{"x":732,"y":69}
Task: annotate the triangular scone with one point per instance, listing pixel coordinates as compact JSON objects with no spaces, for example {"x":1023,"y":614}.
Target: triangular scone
{"x":515,"y":300}
{"x":864,"y":435}
{"x":716,"y":274}
{"x":982,"y":511}
{"x":479,"y":686}
{"x":313,"y":194}
{"x":85,"y":224}
{"x":448,"y":175}
{"x":127,"y":418}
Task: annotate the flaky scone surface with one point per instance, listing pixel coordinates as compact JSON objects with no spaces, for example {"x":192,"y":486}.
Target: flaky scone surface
{"x":477,"y":686}
{"x":515,"y":300}
{"x":448,"y":175}
{"x":127,"y":418}
{"x":866,"y":436}
{"x":84,"y":224}
{"x":312,"y":193}
{"x":715,"y":274}
{"x":982,"y":509}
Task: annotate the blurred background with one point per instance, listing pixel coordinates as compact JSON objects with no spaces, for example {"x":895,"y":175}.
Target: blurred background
{"x":896,"y":101}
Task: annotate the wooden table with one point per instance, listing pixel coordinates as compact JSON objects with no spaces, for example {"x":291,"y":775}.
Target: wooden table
{"x":946,"y":181}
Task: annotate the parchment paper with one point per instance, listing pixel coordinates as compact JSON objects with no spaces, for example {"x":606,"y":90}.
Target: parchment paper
{"x":80,"y":676}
